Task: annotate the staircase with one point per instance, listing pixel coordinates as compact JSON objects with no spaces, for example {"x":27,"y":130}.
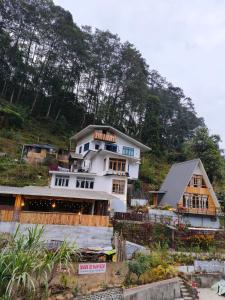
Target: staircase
{"x":185,"y":291}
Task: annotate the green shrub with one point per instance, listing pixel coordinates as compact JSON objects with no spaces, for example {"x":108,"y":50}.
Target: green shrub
{"x":27,"y":267}
{"x":10,"y":117}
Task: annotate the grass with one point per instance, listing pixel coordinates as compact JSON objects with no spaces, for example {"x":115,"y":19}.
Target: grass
{"x":12,"y":138}
{"x":12,"y":173}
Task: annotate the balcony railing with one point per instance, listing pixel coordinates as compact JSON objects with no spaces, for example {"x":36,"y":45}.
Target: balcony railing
{"x":198,"y":211}
{"x":116,"y":172}
{"x":104,"y":137}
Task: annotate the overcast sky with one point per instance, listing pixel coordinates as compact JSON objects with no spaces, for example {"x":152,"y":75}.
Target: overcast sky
{"x":183,"y":39}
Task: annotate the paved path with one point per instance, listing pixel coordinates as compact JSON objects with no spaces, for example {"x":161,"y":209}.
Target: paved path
{"x":208,"y":294}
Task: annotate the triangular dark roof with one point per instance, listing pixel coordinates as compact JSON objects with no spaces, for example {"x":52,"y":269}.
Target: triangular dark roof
{"x":177,"y":180}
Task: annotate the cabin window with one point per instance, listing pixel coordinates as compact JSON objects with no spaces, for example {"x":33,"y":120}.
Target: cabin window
{"x":85,"y":183}
{"x":86,"y":147}
{"x":61,"y":180}
{"x":195,"y":201}
{"x":128,"y":151}
{"x":197,"y":181}
{"x":117,"y":164}
{"x":118,"y":186}
{"x":37,"y":150}
{"x":80,"y":149}
{"x":97,"y":146}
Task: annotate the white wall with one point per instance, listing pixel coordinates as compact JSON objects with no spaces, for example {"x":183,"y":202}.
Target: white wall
{"x":83,"y":141}
{"x":102,"y":184}
{"x":122,"y":142}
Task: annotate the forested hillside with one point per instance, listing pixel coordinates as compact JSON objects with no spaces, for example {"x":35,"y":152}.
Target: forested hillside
{"x":78,"y":76}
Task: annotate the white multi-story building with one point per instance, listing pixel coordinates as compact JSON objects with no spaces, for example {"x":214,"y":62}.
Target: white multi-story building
{"x":103,"y":161}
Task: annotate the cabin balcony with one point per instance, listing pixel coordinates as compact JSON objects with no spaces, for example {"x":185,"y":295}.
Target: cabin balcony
{"x":104,"y":137}
{"x":197,"y":211}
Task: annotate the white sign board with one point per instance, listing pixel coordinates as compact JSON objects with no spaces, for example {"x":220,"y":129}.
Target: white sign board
{"x":91,"y":268}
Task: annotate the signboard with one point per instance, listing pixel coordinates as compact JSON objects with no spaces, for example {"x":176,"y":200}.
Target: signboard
{"x":91,"y":268}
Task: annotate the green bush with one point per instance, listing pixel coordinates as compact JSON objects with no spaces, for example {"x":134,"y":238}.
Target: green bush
{"x":10,"y":117}
{"x":27,"y":267}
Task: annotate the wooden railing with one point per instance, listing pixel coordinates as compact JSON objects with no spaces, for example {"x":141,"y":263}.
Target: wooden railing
{"x":54,"y":218}
{"x":104,"y":137}
{"x":198,"y":211}
{"x":6,"y":215}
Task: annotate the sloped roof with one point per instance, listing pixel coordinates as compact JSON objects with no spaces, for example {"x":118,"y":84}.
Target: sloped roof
{"x":42,"y":146}
{"x":177,"y":180}
{"x":46,"y":191}
{"x":91,"y":128}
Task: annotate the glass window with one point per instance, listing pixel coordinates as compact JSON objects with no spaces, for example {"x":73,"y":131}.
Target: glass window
{"x":80,"y":149}
{"x":86,"y":147}
{"x":85,"y":183}
{"x":128,"y":151}
{"x":117,"y":164}
{"x":118,"y":186}
{"x":61,"y":180}
{"x":111,"y":147}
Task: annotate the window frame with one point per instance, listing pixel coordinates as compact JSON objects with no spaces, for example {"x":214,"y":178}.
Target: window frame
{"x":118,"y":165}
{"x":128,"y":151}
{"x":85,"y":183}
{"x":118,"y":186}
{"x":86,"y":146}
{"x":62,"y":180}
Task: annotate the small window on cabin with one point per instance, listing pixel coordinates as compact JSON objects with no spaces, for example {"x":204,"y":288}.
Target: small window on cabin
{"x":86,"y":146}
{"x":97,"y":146}
{"x":37,"y":150}
{"x":203,"y":183}
{"x":80,"y":149}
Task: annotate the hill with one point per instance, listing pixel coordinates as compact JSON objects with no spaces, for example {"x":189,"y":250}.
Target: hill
{"x":20,"y":129}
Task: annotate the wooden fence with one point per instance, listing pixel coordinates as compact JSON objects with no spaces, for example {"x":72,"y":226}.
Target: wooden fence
{"x":24,"y":217}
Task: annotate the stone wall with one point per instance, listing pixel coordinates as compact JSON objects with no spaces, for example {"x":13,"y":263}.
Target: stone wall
{"x":166,"y":290}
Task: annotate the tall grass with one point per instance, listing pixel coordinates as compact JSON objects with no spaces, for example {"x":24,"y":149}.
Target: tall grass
{"x":27,"y":267}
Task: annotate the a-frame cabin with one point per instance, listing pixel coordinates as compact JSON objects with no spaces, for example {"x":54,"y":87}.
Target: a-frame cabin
{"x":188,"y":190}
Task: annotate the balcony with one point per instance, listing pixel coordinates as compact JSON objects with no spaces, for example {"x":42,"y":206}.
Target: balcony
{"x":116,"y":172}
{"x":198,"y":211}
{"x":104,"y":137}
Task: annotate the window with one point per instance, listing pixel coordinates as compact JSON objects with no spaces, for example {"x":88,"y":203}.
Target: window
{"x":97,"y":146}
{"x":85,"y":183}
{"x":197,"y":181}
{"x":118,"y":186}
{"x":195,"y":201}
{"x":80,"y":149}
{"x":61,"y":180}
{"x":86,"y":147}
{"x":111,"y":147}
{"x":117,"y":164}
{"x":128,"y":151}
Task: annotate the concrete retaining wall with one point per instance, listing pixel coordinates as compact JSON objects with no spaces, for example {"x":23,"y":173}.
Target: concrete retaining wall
{"x":167,"y":290}
{"x":83,"y":236}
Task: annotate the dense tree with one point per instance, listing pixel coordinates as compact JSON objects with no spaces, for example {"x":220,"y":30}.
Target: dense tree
{"x":206,"y":147}
{"x":78,"y":76}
